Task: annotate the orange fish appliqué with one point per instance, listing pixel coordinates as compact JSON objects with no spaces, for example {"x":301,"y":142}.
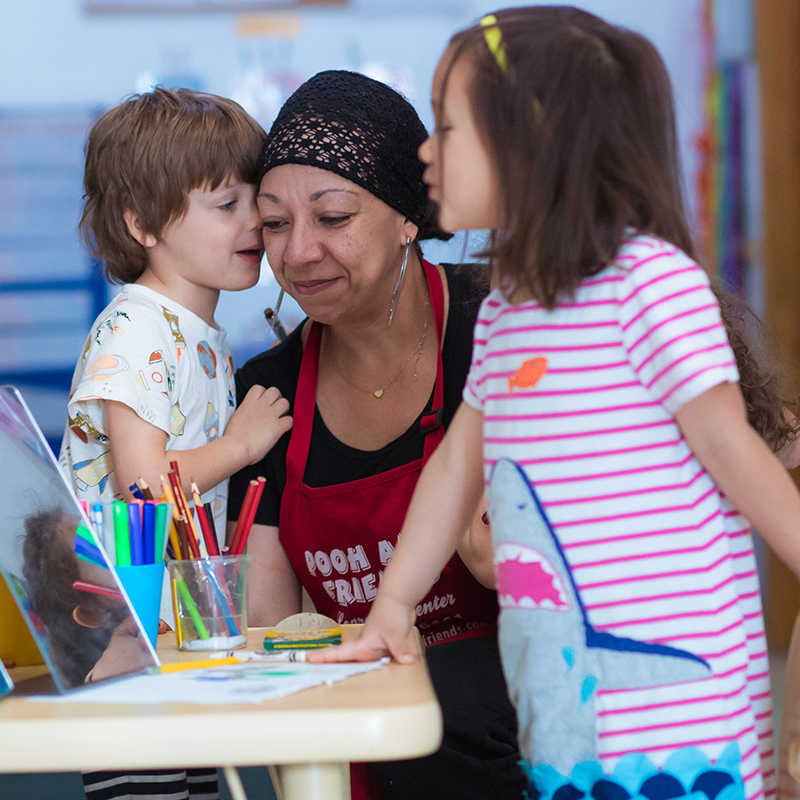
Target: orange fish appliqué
{"x":528,"y":374}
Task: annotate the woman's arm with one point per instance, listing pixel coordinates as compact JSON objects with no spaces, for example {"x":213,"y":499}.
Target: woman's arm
{"x":445,"y":500}
{"x":273,"y":590}
{"x":715,"y":427}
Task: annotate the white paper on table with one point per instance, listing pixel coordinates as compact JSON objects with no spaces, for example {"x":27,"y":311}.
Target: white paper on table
{"x":254,"y":682}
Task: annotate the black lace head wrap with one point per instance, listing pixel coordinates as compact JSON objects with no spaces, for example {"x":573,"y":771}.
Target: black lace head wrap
{"x":360,"y":129}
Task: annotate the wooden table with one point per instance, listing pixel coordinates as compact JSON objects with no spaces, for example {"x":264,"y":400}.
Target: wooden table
{"x":312,"y":735}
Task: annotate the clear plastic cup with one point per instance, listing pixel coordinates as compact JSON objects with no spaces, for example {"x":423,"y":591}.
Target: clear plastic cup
{"x":209,"y":596}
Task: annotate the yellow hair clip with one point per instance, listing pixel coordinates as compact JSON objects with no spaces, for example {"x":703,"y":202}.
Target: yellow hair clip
{"x":494,"y":41}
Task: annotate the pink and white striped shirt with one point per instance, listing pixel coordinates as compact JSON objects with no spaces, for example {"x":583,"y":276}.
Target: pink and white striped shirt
{"x":583,"y":399}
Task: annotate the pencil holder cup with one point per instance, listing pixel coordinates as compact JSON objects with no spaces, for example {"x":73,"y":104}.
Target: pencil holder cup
{"x":143,"y":583}
{"x":210,"y":600}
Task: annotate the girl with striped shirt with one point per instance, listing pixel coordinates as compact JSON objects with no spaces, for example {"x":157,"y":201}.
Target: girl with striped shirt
{"x":603,"y":416}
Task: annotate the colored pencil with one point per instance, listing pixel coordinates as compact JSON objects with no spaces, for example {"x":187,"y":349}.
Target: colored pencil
{"x":238,"y":531}
{"x":145,"y":489}
{"x":223,"y":602}
{"x":191,"y":607}
{"x":202,"y":518}
{"x":180,"y":501}
{"x":248,"y":512}
{"x":204,"y":663}
{"x":95,"y":588}
{"x":173,"y":586}
{"x":177,"y":534}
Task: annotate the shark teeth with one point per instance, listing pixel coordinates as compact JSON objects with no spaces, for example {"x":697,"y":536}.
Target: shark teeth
{"x":526,"y":579}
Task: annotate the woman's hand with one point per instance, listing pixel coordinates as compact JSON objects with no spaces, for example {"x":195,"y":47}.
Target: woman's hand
{"x":385,"y":633}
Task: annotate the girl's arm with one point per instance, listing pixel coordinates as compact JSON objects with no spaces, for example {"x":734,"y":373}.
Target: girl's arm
{"x":715,"y":427}
{"x":788,"y":787}
{"x":273,"y":590}
{"x":445,"y":500}
{"x":476,"y":549}
{"x":139,"y":448}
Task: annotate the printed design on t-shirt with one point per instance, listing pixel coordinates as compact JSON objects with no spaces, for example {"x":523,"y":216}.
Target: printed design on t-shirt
{"x":211,"y":424}
{"x":105,"y":366}
{"x":82,"y":426}
{"x":559,"y":660}
{"x":93,"y":472}
{"x":156,"y":374}
{"x":177,"y":336}
{"x":177,"y":420}
{"x":688,"y":773}
{"x":227,"y":360}
{"x":528,"y":580}
{"x":528,"y":375}
{"x":208,"y":359}
{"x":110,"y":324}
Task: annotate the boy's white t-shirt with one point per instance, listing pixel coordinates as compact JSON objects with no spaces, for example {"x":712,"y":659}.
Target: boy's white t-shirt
{"x":172,"y":368}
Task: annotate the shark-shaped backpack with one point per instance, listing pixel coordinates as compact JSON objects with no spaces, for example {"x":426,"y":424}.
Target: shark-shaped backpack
{"x":555,"y":662}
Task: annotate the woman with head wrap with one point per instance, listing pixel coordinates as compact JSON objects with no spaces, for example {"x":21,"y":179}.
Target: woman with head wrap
{"x":374,"y":376}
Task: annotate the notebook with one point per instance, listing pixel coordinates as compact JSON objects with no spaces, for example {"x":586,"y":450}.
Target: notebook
{"x":77,"y":632}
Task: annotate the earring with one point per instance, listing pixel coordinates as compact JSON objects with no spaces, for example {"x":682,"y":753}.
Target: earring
{"x":399,"y":283}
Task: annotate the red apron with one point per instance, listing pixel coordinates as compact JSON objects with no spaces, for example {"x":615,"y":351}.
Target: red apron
{"x":339,"y":538}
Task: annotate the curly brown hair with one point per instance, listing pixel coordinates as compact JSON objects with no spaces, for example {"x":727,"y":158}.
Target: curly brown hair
{"x":762,"y":379}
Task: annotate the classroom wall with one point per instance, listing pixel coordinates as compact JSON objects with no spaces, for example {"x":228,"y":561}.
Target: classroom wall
{"x":61,"y":57}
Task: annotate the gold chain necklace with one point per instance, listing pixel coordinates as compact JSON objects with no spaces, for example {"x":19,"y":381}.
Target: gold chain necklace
{"x":417,"y":352}
{"x":378,"y":393}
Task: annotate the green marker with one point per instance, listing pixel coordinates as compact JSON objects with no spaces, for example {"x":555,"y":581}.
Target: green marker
{"x":122,"y":539}
{"x":161,"y":530}
{"x":85,"y":533}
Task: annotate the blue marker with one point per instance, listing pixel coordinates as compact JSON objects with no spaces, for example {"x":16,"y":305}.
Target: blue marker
{"x":88,"y":551}
{"x":149,"y":532}
{"x":135,"y":533}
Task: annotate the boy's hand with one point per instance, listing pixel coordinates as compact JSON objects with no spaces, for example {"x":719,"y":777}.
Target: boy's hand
{"x":259,"y":422}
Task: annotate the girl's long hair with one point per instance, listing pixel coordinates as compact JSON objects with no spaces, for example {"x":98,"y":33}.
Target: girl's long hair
{"x":577,"y":116}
